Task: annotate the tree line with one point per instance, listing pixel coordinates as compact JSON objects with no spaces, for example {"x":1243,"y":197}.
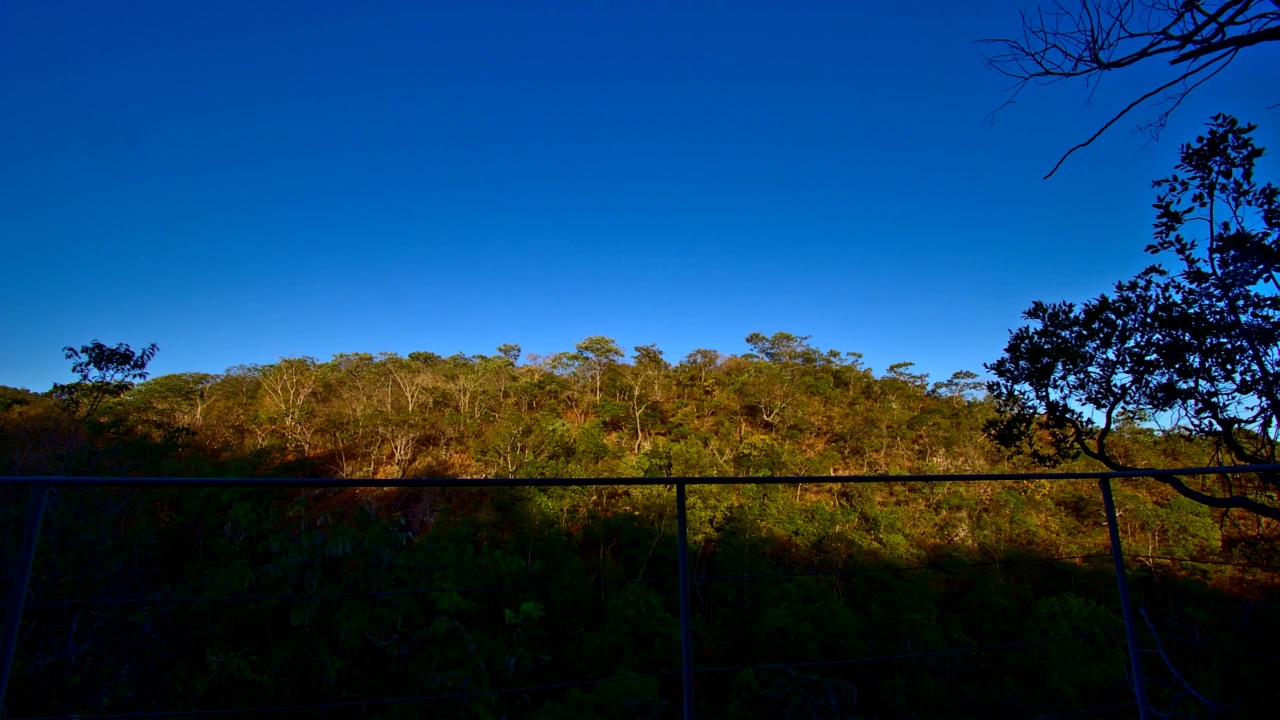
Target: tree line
{"x":786,"y":408}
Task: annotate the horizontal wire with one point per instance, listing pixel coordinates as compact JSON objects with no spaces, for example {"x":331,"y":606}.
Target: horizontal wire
{"x":558,"y":686}
{"x":1090,"y":711}
{"x":427,"y":591}
{"x":361,"y":593}
{"x":349,"y":703}
{"x":1189,"y":641}
{"x":492,"y":588}
{"x":911,"y":656}
{"x":1203,"y":562}
{"x":859,"y":571}
{"x":438,"y":482}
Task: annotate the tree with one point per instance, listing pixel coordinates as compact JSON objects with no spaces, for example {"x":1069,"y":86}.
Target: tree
{"x":783,"y":347}
{"x":510,"y":351}
{"x":105,"y":373}
{"x":177,"y":400}
{"x":15,"y":397}
{"x":644,"y":384}
{"x":595,"y":355}
{"x":1197,"y":38}
{"x":287,"y":388}
{"x":1197,"y":349}
{"x":963,"y":385}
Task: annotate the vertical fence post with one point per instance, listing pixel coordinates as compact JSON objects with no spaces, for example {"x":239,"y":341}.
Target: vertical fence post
{"x":686,"y":629}
{"x":1126,"y":608}
{"x":18,"y":588}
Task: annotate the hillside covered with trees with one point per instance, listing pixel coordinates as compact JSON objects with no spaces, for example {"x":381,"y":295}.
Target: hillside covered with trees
{"x":398,"y":616}
{"x":788,"y":408}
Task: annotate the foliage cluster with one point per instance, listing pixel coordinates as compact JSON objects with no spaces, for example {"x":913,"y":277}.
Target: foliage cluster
{"x":787,"y":408}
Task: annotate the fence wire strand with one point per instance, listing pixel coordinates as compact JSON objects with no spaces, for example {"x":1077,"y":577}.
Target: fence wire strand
{"x":861,"y":571}
{"x":569,"y":685}
{"x":652,"y":581}
{"x":348,"y":703}
{"x":1194,"y":561}
{"x":356,"y":593}
{"x":1090,"y":711}
{"x":909,"y":656}
{"x":1219,"y":648}
{"x":494,"y":588}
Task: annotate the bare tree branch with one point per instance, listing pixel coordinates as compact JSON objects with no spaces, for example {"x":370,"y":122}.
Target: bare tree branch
{"x":1102,"y":36}
{"x":1224,"y":59}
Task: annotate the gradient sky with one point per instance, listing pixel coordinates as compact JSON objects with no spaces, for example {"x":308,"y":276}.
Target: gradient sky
{"x":244,"y":181}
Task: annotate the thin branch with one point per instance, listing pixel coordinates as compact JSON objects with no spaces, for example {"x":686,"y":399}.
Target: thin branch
{"x":1145,"y":97}
{"x":1099,"y":36}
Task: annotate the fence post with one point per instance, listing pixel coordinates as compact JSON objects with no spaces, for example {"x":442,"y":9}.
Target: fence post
{"x":1126,"y":607}
{"x":686,"y":629}
{"x":18,"y":588}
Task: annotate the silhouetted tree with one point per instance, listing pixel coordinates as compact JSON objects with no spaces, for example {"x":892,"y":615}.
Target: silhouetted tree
{"x":1197,"y":348}
{"x":105,"y":372}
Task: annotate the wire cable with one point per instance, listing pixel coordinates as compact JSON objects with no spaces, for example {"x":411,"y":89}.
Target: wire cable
{"x":1203,"y":562}
{"x":439,"y":482}
{"x":1219,"y":648}
{"x":491,"y":588}
{"x":362,"y":593}
{"x":349,"y":703}
{"x":860,"y":571}
{"x":911,"y":656}
{"x":1090,"y":711}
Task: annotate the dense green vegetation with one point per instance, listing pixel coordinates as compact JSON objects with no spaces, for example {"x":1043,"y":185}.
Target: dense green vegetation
{"x":786,"y":408}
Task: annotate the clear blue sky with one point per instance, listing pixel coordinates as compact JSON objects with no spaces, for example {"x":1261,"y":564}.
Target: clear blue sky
{"x":243,"y":181}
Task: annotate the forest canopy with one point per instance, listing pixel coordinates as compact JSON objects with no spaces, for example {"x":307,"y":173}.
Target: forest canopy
{"x":1008,"y":563}
{"x":786,"y":408}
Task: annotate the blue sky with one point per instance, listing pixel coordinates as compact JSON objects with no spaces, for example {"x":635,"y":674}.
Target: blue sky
{"x":240,"y":182}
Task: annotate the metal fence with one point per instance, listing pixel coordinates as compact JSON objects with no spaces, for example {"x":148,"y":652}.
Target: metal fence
{"x":40,"y":486}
